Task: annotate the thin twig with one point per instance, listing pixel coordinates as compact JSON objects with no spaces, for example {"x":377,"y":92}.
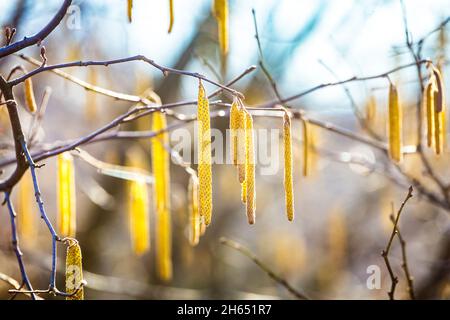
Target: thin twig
{"x":421,"y":145}
{"x":38,"y":37}
{"x":270,"y":104}
{"x":261,"y":63}
{"x":15,"y":244}
{"x":37,"y":193}
{"x":124,"y":96}
{"x":405,"y":267}
{"x":106,"y":63}
{"x":245,"y":251}
{"x":385,"y":252}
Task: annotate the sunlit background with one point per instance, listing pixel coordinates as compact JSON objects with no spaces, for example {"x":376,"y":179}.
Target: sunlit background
{"x":342,"y":210}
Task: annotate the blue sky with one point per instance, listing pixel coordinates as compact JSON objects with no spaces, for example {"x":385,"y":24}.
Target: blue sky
{"x":350,"y":36}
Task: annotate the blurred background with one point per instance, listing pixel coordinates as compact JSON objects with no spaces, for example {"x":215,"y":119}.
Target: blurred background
{"x":342,"y":208}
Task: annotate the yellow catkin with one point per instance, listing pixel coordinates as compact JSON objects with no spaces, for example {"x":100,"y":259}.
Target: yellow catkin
{"x":234,"y":115}
{"x":395,"y":125}
{"x":337,"y":237}
{"x":194,"y":215}
{"x":26,"y":217}
{"x":440,"y":112}
{"x":130,"y":10}
{"x":202,"y":226}
{"x":220,"y":11}
{"x":171,"y":16}
{"x":244,"y":190}
{"x":204,"y":155}
{"x":74,"y":271}
{"x":29,"y":96}
{"x":288,"y":179}
{"x":138,"y":216}
{"x":306,"y":147}
{"x":90,"y":109}
{"x":439,"y":93}
{"x":160,"y":166}
{"x":429,"y":111}
{"x":371,"y":111}
{"x":249,"y":169}
{"x":241,"y":144}
{"x":66,"y":196}
{"x":138,"y":209}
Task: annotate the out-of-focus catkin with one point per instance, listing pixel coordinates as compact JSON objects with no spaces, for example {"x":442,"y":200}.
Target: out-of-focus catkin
{"x":204,"y":155}
{"x":130,"y":10}
{"x":249,"y":169}
{"x":29,"y":95}
{"x":194,"y":215}
{"x":429,"y":111}
{"x":220,"y":11}
{"x":160,"y":166}
{"x":139,"y":221}
{"x":395,"y":125}
{"x":371,"y":111}
{"x":90,"y":109}
{"x":439,"y":93}
{"x":171,"y":16}
{"x":288,"y":179}
{"x":440,"y":111}
{"x":306,"y":146}
{"x":26,"y":218}
{"x":138,"y":204}
{"x":66,"y":196}
{"x":74,"y":271}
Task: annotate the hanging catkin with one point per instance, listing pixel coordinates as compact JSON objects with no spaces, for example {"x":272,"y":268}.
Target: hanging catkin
{"x":160,"y":166}
{"x":26,"y":222}
{"x":241,"y":117}
{"x":288,"y":180}
{"x":74,"y":271}
{"x":139,"y":221}
{"x":429,"y":111}
{"x":90,"y":109}
{"x":194,"y":215}
{"x":440,"y":112}
{"x":29,"y":95}
{"x":234,"y":115}
{"x":249,"y":169}
{"x":220,"y":11}
{"x":371,"y":111}
{"x":202,"y":226}
{"x":439,"y":93}
{"x":66,"y":196}
{"x":138,"y":204}
{"x":306,"y":147}
{"x":204,"y":155}
{"x":171,"y":16}
{"x":130,"y":10}
{"x":395,"y":125}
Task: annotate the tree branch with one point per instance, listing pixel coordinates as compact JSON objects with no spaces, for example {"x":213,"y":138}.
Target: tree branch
{"x":38,"y":37}
{"x":15,"y":244}
{"x":245,"y":251}
{"x":385,"y":252}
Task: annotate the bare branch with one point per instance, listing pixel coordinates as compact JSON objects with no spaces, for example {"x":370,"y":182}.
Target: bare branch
{"x":106,"y":63}
{"x":38,"y":37}
{"x":245,"y":251}
{"x":15,"y":244}
{"x":385,"y":252}
{"x":330,"y":84}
